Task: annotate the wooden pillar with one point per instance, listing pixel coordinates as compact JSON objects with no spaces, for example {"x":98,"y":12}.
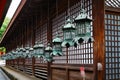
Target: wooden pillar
{"x":49,"y":39}
{"x":23,"y":64}
{"x":98,"y":33}
{"x":33,"y":66}
{"x":17,"y":63}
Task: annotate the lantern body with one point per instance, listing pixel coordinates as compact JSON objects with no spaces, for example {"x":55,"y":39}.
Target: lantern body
{"x":14,"y":54}
{"x":82,"y":27}
{"x":27,"y":51}
{"x":31,"y":53}
{"x":18,"y":52}
{"x":39,"y":50}
{"x":48,"y":57}
{"x":35,"y":49}
{"x":57,"y":48}
{"x":24,"y":53}
{"x":21,"y":52}
{"x":35,"y":52}
{"x":48,"y":51}
{"x":68,"y":33}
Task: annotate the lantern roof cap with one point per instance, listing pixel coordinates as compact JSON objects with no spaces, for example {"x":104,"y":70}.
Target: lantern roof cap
{"x":27,"y":48}
{"x":69,"y":24}
{"x":48,"y":48}
{"x":17,"y":49}
{"x":31,"y":49}
{"x":13,"y":52}
{"x":21,"y":49}
{"x":36,"y":45}
{"x":41,"y":45}
{"x":57,"y":39}
{"x":83,"y":16}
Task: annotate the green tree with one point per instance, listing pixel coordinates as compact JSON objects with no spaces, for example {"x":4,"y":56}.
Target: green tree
{"x":4,"y":26}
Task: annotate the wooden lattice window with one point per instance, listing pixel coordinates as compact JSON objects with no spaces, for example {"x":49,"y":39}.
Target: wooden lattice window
{"x":83,"y":54}
{"x":41,"y":36}
{"x":112,"y":43}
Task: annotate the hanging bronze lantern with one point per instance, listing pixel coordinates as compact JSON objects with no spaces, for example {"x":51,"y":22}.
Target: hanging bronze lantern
{"x":68,"y":33}
{"x":83,"y":28}
{"x":48,"y":53}
{"x":31,"y":52}
{"x":27,"y":51}
{"x":57,"y":48}
{"x":38,"y":50}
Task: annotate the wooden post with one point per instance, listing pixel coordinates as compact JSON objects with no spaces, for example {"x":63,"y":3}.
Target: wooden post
{"x":17,"y":63}
{"x":23,"y":64}
{"x":49,"y":38}
{"x":33,"y":66}
{"x":98,"y":34}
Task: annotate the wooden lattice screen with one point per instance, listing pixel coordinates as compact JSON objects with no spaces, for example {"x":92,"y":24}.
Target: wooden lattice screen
{"x":41,"y":37}
{"x":112,"y":43}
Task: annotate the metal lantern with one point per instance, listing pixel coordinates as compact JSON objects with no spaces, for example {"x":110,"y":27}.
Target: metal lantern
{"x":39,"y":50}
{"x":68,"y":33}
{"x":3,"y":57}
{"x":21,"y":52}
{"x":17,"y":51}
{"x":27,"y":51}
{"x":48,"y":51}
{"x":10,"y":56}
{"x":57,"y":48}
{"x":35,"y":49}
{"x":31,"y":52}
{"x":24,"y":53}
{"x":14,"y":54}
{"x":83,"y":27}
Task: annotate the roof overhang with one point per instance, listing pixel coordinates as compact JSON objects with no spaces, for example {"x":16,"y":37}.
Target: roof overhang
{"x":18,"y":10}
{"x":4,"y":5}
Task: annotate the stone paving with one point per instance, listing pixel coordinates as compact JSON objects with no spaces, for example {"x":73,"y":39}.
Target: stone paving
{"x":3,"y":76}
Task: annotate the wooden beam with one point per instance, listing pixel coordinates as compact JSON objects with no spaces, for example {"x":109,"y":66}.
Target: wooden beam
{"x":98,"y":33}
{"x":113,"y":9}
{"x":13,"y":19}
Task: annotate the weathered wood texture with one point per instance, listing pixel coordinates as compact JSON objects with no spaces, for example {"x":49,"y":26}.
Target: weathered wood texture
{"x":99,"y":44}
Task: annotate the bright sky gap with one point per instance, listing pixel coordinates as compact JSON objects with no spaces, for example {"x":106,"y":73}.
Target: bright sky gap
{"x":12,"y":8}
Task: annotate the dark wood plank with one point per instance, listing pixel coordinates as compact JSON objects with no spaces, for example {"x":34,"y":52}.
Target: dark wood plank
{"x":98,"y":33}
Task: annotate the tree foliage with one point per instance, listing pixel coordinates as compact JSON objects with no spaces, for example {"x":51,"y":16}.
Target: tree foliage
{"x":4,"y":26}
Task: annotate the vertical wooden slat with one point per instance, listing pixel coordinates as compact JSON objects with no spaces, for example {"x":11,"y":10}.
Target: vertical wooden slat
{"x":98,"y":33}
{"x":49,"y":39}
{"x":33,"y":66}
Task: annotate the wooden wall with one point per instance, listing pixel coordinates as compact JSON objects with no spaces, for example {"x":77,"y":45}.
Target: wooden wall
{"x":39,"y":22}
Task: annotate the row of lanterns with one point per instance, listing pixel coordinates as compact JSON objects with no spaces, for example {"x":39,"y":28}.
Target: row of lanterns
{"x":74,"y":31}
{"x":37,"y":51}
